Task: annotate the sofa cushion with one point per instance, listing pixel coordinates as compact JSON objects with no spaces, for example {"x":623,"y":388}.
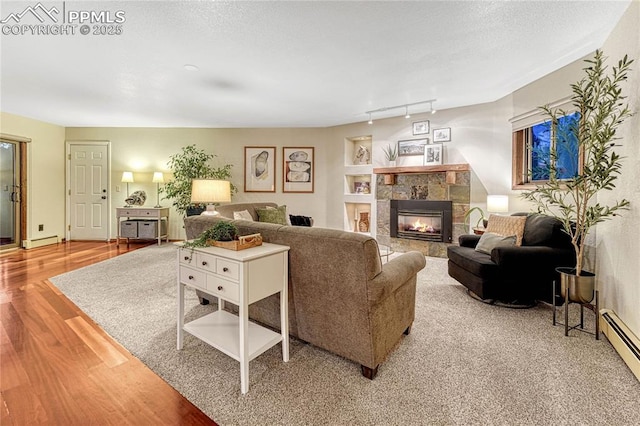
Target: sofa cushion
{"x":243,"y":215}
{"x":273,"y":215}
{"x":543,"y":230}
{"x":489,"y":240}
{"x":475,"y":262}
{"x":507,"y":226}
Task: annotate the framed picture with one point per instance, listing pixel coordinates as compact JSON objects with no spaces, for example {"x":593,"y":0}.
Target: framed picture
{"x":433,"y":154}
{"x":259,"y":169}
{"x":421,"y":128}
{"x":412,"y":147}
{"x":442,"y":135}
{"x":298,"y":169}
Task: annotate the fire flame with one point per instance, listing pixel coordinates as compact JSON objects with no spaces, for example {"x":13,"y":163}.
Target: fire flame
{"x":422,"y":227}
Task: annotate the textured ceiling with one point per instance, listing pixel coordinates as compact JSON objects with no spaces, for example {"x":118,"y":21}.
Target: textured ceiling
{"x":290,"y":64}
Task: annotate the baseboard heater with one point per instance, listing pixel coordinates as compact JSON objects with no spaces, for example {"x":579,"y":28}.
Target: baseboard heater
{"x":622,"y":339}
{"x":39,"y":242}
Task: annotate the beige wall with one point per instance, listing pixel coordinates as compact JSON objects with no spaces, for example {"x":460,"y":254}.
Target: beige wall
{"x":618,"y":241}
{"x":45,"y":173}
{"x":145,"y":150}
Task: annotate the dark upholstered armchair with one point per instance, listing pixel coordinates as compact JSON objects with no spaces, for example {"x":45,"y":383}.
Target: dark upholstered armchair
{"x":514,"y":275}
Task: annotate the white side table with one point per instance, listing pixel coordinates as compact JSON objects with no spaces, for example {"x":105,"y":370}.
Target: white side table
{"x":240,"y":277}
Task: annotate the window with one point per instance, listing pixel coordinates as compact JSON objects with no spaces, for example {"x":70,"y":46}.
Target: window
{"x":533,"y":152}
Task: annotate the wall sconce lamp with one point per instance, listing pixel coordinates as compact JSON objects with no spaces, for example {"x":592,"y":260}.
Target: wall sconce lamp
{"x":406,"y":108}
{"x":127,"y":177}
{"x":210,"y":191}
{"x":158,"y":178}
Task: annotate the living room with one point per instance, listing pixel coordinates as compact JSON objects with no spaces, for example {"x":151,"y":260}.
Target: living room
{"x":481,"y":137}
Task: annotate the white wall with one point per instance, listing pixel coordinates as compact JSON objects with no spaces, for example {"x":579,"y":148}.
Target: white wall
{"x":618,"y":240}
{"x":145,"y":150}
{"x":45,"y":173}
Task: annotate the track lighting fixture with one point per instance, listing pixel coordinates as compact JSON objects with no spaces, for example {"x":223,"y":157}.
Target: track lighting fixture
{"x":406,"y":109}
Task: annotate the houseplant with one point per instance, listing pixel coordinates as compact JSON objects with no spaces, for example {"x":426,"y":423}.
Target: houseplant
{"x":599,"y":100}
{"x":221,"y":231}
{"x":391,"y":154}
{"x":467,"y":217}
{"x":191,"y":163}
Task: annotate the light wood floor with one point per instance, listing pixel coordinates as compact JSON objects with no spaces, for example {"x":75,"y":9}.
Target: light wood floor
{"x":57,"y":367}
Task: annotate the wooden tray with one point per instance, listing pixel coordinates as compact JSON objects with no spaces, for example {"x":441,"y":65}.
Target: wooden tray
{"x":243,"y":242}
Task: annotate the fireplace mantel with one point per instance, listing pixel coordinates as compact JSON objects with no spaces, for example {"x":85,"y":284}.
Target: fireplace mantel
{"x":391,"y":172}
{"x":421,"y":169}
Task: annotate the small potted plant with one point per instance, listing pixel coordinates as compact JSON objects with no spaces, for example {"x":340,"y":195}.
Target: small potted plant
{"x":599,"y":100}
{"x":467,"y":218}
{"x":391,"y":154}
{"x":222,"y":231}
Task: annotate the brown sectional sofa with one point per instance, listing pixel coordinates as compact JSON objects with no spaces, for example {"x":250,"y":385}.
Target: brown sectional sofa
{"x":342,"y":298}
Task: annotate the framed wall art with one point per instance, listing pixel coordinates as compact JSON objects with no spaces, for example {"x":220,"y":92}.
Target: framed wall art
{"x":259,"y":169}
{"x":442,"y":135}
{"x":433,"y":154}
{"x":421,"y":128}
{"x":412,"y":147}
{"x":298,"y":170}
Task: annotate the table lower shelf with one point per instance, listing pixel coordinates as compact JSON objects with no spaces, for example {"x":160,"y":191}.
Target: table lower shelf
{"x":221,"y":330}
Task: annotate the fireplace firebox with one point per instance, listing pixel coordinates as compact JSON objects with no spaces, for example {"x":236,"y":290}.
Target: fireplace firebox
{"x":421,"y":220}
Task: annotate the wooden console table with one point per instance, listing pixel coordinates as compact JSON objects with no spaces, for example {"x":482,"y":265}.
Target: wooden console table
{"x":157,"y":213}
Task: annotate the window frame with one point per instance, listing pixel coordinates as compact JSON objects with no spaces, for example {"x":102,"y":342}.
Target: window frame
{"x":520,"y":142}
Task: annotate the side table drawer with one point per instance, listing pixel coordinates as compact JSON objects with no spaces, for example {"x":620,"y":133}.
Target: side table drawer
{"x":228,"y":269}
{"x":223,"y":288}
{"x":193,"y":277}
{"x":187,"y":256}
{"x":206,"y":262}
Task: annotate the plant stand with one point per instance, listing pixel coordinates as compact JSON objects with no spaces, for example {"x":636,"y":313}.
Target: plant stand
{"x":580,"y":326}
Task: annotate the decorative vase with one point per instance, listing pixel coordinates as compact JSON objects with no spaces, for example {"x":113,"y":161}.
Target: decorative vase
{"x":363,"y":223}
{"x":392,"y":163}
{"x":581,"y":288}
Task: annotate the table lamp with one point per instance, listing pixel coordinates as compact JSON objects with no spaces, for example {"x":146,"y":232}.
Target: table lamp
{"x":210,"y":191}
{"x":127,"y":177}
{"x":497,"y":203}
{"x":158,"y":178}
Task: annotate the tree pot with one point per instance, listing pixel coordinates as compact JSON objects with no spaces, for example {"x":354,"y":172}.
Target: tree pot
{"x":581,"y":288}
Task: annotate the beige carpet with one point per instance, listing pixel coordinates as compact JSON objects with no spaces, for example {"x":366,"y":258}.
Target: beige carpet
{"x":464,"y":362}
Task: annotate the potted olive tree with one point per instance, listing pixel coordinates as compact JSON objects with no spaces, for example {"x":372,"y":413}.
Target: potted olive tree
{"x":191,"y":163}
{"x":599,"y":100}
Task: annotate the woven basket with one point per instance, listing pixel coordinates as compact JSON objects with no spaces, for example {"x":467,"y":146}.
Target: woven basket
{"x":243,"y":242}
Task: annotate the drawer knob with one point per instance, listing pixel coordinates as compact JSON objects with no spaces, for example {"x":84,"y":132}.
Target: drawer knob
{"x":190,"y":277}
{"x":204,"y":263}
{"x":187,"y":258}
{"x":225,"y":269}
{"x":219,"y":288}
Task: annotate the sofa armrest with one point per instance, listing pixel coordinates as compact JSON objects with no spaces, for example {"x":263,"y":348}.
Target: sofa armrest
{"x":468,"y":240}
{"x":395,"y":273}
{"x":524,"y":257}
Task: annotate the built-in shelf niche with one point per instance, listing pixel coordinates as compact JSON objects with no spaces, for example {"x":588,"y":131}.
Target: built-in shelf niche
{"x":356,"y":198}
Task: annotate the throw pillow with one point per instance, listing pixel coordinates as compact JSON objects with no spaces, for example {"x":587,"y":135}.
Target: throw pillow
{"x":489,"y":241}
{"x":273,"y":215}
{"x":243,"y":215}
{"x":507,"y":225}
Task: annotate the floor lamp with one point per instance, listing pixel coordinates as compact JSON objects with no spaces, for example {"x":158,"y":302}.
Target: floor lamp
{"x":158,"y":178}
{"x":210,"y":191}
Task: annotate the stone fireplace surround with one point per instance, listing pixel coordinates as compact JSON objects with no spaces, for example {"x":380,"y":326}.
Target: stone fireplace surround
{"x":450,"y":182}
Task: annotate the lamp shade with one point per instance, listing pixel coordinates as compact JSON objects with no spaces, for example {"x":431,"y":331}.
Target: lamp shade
{"x":210,"y":191}
{"x":158,"y":177}
{"x":127,"y":177}
{"x":497,"y":203}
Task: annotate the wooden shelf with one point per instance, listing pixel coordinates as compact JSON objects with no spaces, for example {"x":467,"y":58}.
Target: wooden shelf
{"x":421,"y":169}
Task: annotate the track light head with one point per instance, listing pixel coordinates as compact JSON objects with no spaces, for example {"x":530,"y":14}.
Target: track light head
{"x":406,"y":112}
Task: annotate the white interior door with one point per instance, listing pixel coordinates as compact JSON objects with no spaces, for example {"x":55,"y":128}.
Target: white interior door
{"x":88,"y":191}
